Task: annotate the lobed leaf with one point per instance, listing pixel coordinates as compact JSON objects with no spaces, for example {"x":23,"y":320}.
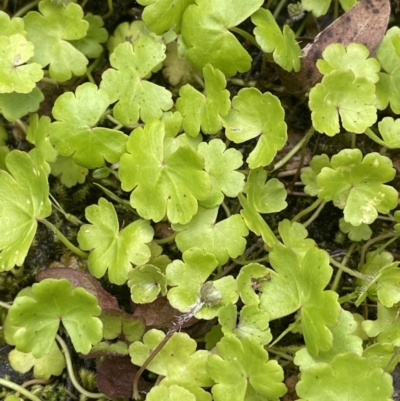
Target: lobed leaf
{"x":355,"y":184}
{"x":141,"y":98}
{"x":298,"y":283}
{"x":205,"y":31}
{"x":220,"y":164}
{"x":50,"y":30}
{"x":112,"y":249}
{"x":342,"y":94}
{"x":224,"y":239}
{"x":164,"y":181}
{"x":39,"y":314}
{"x":242,"y":370}
{"x":15,"y":74}
{"x":286,"y":51}
{"x":204,"y":111}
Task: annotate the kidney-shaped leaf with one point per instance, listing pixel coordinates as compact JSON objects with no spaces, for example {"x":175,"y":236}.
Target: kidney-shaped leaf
{"x":355,"y":184}
{"x":39,"y":314}
{"x":257,"y":114}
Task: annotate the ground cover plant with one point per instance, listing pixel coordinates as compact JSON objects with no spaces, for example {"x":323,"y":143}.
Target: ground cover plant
{"x":196,"y":206}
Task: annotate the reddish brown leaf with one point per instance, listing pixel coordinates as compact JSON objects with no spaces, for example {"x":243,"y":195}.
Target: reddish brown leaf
{"x":366,"y":22}
{"x":115,"y":377}
{"x":159,"y":314}
{"x":81,"y":279}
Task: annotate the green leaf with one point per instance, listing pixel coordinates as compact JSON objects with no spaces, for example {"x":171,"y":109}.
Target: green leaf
{"x":50,"y":30}
{"x":353,"y":58}
{"x":15,"y":74}
{"x":75,"y":133}
{"x":146,"y":282}
{"x":382,"y":356}
{"x":205,"y":31}
{"x":140,"y":98}
{"x":38,"y":134}
{"x":294,"y":236}
{"x":267,"y":197}
{"x":113,"y":249}
{"x":347,"y":377}
{"x":51,"y":364}
{"x":16,"y":105}
{"x":204,"y":111}
{"x":255,"y":222}
{"x":388,"y":86}
{"x":117,"y":323}
{"x":286,"y":50}
{"x":69,"y":172}
{"x":163,"y":183}
{"x":224,"y":239}
{"x":90,"y":45}
{"x":386,"y":327}
{"x":23,"y":200}
{"x":242,"y":371}
{"x":162,"y":15}
{"x":343,"y":341}
{"x":249,"y":280}
{"x":253,"y":323}
{"x":221,"y":164}
{"x":191,"y":292}
{"x":320,"y":7}
{"x":51,"y":302}
{"x":178,"y":360}
{"x":342,"y":94}
{"x":375,"y":262}
{"x":254,"y":113}
{"x":389,"y":128}
{"x":11,"y":26}
{"x":172,"y":393}
{"x":362,"y":232}
{"x":299,"y":284}
{"x":129,"y":32}
{"x":309,"y":175}
{"x":355,"y":184}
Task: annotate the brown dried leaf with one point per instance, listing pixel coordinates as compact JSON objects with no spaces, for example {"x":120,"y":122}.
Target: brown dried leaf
{"x":365,"y":23}
{"x":115,"y":377}
{"x":81,"y":279}
{"x":159,"y":314}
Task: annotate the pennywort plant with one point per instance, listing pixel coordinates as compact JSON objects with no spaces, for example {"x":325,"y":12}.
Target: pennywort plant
{"x":189,"y":206}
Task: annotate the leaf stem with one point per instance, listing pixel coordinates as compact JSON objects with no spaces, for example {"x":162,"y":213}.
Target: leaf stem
{"x":26,"y":8}
{"x":283,"y":334}
{"x":16,"y":387}
{"x":294,"y":150}
{"x":278,"y":8}
{"x":339,"y":272}
{"x":246,"y":35}
{"x":307,"y":210}
{"x":5,"y":305}
{"x":246,"y":262}
{"x":166,"y":240}
{"x":372,"y":241}
{"x":64,"y":239}
{"x":347,"y":270}
{"x":71,"y":373}
{"x":315,"y":214}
